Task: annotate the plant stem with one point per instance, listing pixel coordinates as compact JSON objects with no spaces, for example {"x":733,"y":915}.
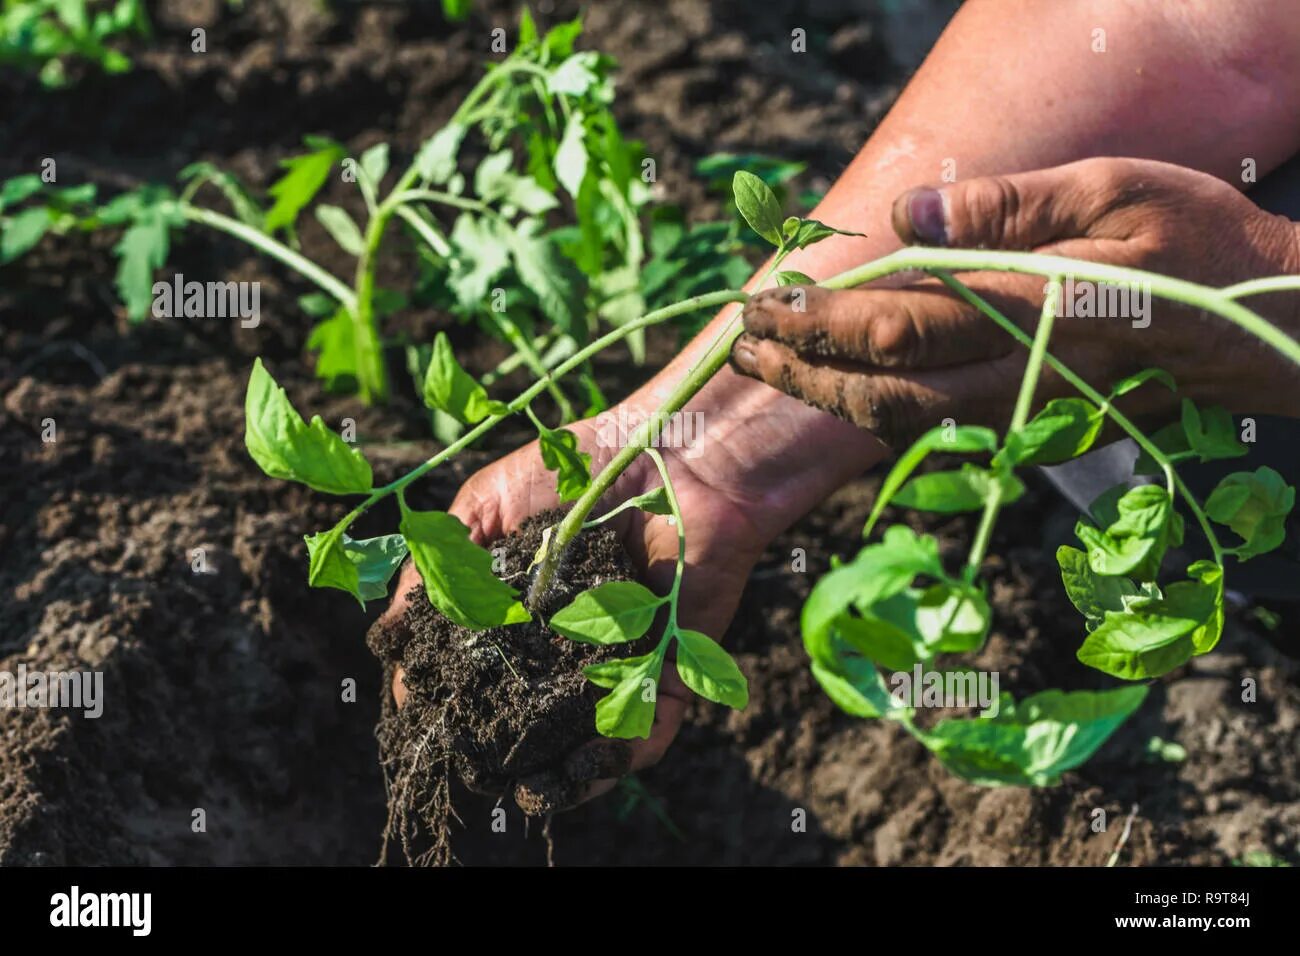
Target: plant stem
{"x":696,"y":378}
{"x":334,"y":287}
{"x":515,"y":336}
{"x":521,"y":401}
{"x":680,"y":569}
{"x":1079,"y":384}
{"x":1024,"y":402}
{"x":1218,"y":301}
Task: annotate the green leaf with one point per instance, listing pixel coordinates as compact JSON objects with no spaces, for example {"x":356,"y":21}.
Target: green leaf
{"x":612,"y":613}
{"x":655,"y":501}
{"x":333,"y":342}
{"x":708,"y":670}
{"x":547,"y":274}
{"x":141,"y":251}
{"x":496,"y":181}
{"x":560,"y":454}
{"x":1210,"y":432}
{"x":625,"y":712}
{"x":576,"y":75}
{"x":1138,"y":529}
{"x":791,"y":277}
{"x":1153,"y":636}
{"x":245,"y":207}
{"x":879,"y":572}
{"x":952,"y":492}
{"x":1064,"y":429}
{"x":15,"y":190}
{"x":945,"y":438}
{"x":571,"y":156}
{"x":854,"y":685}
{"x":284,"y":447}
{"x":303,"y":179}
{"x":456,"y":10}
{"x":1093,"y":594}
{"x":457,"y":573}
{"x":340,"y":226}
{"x":482,"y":254}
{"x":799,"y":233}
{"x":436,"y":161}
{"x":1209,"y":574}
{"x":450,"y":389}
{"x":362,"y":568}
{"x":374,"y":163}
{"x":758,"y":205}
{"x":1255,"y":506}
{"x":22,"y":231}
{"x":1138,"y":379}
{"x":1034,"y":742}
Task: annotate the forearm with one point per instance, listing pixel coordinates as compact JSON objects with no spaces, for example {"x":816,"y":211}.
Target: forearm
{"x":1013,"y":85}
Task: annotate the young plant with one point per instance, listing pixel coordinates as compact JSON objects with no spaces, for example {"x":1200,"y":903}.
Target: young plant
{"x":895,"y":604}
{"x":499,"y":265}
{"x":43,"y":35}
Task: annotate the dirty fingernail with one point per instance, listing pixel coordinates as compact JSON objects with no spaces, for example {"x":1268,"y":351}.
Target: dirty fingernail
{"x":926,"y":216}
{"x":742,"y":356}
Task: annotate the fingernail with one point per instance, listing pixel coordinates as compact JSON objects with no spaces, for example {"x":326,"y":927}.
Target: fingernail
{"x":742,"y":355}
{"x":925,"y":213}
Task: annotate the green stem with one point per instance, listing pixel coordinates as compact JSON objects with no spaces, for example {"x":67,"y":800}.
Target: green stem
{"x":675,"y":593}
{"x":515,"y":336}
{"x":1032,"y":263}
{"x":522,"y":401}
{"x":334,"y":287}
{"x":696,"y":378}
{"x":1024,"y":403}
{"x":372,"y":373}
{"x":1080,"y":385}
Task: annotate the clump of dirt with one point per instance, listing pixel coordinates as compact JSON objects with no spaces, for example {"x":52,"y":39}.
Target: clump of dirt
{"x":501,"y":710}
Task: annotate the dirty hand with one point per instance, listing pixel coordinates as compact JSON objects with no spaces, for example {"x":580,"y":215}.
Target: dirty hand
{"x":898,"y":361}
{"x":722,"y":546}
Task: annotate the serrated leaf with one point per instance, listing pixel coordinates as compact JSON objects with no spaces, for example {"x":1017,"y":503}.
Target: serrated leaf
{"x":758,"y":206}
{"x":560,"y":454}
{"x":547,"y":274}
{"x":710,"y":671}
{"x":285,"y":447}
{"x":20,"y":232}
{"x":334,"y":344}
{"x":457,"y":573}
{"x":575,"y":76}
{"x":342,"y":228}
{"x":15,"y":190}
{"x":303,"y":178}
{"x":1211,"y":434}
{"x":141,"y":251}
{"x":436,"y":161}
{"x":450,"y":389}
{"x":612,"y":613}
{"x":482,"y":254}
{"x":495,"y":180}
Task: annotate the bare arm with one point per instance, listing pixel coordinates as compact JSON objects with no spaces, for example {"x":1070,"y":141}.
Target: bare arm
{"x":1011,"y":85}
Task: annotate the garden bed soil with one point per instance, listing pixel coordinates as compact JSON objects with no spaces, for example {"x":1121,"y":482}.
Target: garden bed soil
{"x":236,"y":691}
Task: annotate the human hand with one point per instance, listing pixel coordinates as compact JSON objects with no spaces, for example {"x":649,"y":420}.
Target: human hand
{"x":722,"y":546}
{"x":898,"y":361}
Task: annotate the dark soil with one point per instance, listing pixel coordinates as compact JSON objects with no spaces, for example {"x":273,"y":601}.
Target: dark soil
{"x":229,"y":691}
{"x":502,"y":710}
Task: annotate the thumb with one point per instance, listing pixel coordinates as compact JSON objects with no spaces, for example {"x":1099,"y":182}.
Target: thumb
{"x":1021,"y":211}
